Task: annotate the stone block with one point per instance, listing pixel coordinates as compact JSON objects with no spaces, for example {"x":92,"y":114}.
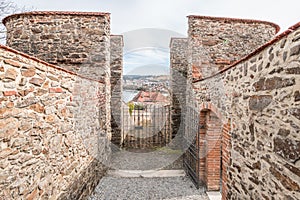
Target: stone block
{"x":11,"y":74}
{"x":287,"y":149}
{"x":258,"y":103}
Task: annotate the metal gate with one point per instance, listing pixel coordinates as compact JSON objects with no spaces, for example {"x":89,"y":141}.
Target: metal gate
{"x":191,"y":145}
{"x":146,"y":126}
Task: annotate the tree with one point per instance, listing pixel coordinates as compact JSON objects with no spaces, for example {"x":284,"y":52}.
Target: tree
{"x":7,"y":7}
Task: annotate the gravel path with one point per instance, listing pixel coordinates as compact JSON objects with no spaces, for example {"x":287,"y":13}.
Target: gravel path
{"x":169,"y":188}
{"x":172,"y":188}
{"x":163,"y":158}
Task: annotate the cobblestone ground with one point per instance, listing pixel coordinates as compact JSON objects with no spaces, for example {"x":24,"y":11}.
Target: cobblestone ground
{"x":171,"y":188}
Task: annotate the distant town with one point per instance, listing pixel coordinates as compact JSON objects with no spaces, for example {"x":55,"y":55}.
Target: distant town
{"x":159,"y":83}
{"x":134,"y":84}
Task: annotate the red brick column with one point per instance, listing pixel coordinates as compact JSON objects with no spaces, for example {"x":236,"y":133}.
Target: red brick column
{"x":214,"y":148}
{"x":202,"y":147}
{"x":213,"y":151}
{"x":226,"y":146}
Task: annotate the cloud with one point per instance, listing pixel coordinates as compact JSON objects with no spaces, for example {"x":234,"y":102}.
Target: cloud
{"x":171,"y":14}
{"x":147,"y":61}
{"x":150,"y":16}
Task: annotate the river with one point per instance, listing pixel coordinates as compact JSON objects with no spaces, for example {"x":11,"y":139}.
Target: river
{"x":128,"y":95}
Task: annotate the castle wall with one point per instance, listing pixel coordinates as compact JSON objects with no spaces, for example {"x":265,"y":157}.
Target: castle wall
{"x":215,"y":43}
{"x":53,"y":144}
{"x":71,"y":40}
{"x":60,"y":143}
{"x":178,"y":71}
{"x":259,"y":97}
{"x":76,"y":41}
{"x":116,"y":67}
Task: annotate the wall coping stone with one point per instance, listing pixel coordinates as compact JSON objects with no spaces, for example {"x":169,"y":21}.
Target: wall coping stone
{"x":176,"y":38}
{"x":120,"y":36}
{"x":6,"y":48}
{"x":237,"y":20}
{"x":55,"y":13}
{"x":255,"y":52}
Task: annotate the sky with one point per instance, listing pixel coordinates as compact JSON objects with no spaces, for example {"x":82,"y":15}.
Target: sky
{"x":169,"y":16}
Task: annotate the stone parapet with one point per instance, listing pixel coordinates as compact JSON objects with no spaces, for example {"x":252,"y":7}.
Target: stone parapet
{"x":259,"y":98}
{"x":216,"y":42}
{"x":116,"y":67}
{"x":46,"y":115}
{"x":178,"y":71}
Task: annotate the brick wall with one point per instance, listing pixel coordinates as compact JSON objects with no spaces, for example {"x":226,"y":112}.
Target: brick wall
{"x":213,"y":151}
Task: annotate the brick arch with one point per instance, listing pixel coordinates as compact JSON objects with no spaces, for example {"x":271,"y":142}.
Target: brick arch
{"x":214,"y":146}
{"x":208,"y":106}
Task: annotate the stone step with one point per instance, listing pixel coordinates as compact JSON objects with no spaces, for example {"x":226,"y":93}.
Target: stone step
{"x":145,"y":173}
{"x":214,"y":195}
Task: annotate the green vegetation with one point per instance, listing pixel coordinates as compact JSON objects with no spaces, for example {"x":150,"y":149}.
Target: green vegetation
{"x":130,"y":108}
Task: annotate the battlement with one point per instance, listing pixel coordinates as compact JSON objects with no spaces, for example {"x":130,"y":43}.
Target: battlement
{"x":218,"y":42}
{"x":68,"y":39}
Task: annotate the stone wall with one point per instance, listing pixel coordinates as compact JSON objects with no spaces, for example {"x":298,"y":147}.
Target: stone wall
{"x":60,"y":143}
{"x":178,"y":71}
{"x":116,"y":67}
{"x":76,"y":41}
{"x":68,"y":39}
{"x":259,"y":96}
{"x":215,"y":43}
{"x":52,"y":143}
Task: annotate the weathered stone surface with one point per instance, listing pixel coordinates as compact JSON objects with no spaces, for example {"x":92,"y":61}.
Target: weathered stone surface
{"x":13,"y":63}
{"x":10,"y":93}
{"x":55,"y":90}
{"x":49,"y":134}
{"x":6,"y":152}
{"x":260,"y":98}
{"x":36,"y":81}
{"x":22,"y":82}
{"x":28,"y":72}
{"x":285,"y":181}
{"x":293,"y":169}
{"x":38,"y":108}
{"x":273,"y":83}
{"x":295,"y":70}
{"x":214,"y":41}
{"x":179,"y":63}
{"x":287,"y":148}
{"x":259,"y":102}
{"x":11,"y":74}
{"x":295,"y":50}
{"x":283,"y":132}
{"x":295,"y":112}
{"x":297,"y":96}
{"x":116,"y":66}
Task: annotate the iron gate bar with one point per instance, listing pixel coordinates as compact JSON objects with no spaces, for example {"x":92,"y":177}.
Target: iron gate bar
{"x":191,"y":140}
{"x":147,"y":126}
